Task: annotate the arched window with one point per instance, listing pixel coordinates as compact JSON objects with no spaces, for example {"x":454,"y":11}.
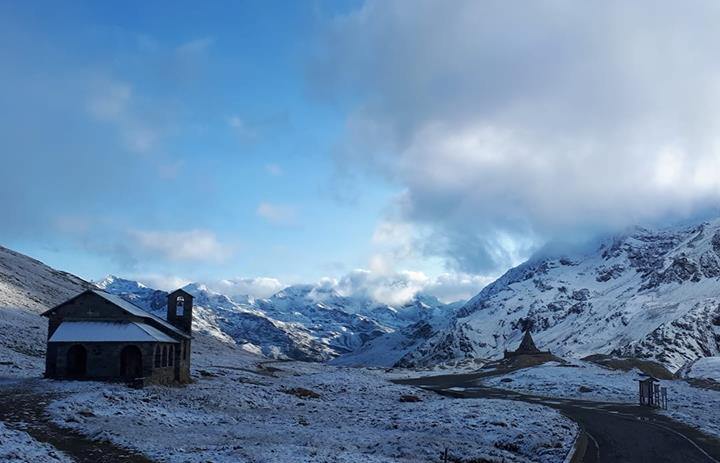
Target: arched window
{"x":158,"y":356}
{"x":180,"y":306}
{"x":172,"y":356}
{"x":164,"y":356}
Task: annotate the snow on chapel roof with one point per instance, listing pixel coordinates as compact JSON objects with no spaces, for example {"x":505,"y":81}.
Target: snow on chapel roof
{"x":126,"y":306}
{"x":108,"y":332}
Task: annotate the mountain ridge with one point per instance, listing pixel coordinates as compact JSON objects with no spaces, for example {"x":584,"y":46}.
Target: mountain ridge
{"x":653,"y":294}
{"x":303,"y":322}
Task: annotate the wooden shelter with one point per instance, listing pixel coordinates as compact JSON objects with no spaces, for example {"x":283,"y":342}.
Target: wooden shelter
{"x":651,"y":394}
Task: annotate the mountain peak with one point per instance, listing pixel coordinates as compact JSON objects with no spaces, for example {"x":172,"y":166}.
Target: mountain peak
{"x":194,"y":288}
{"x":117,"y":284}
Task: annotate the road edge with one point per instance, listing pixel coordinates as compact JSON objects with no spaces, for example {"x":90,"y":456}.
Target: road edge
{"x":577,"y":452}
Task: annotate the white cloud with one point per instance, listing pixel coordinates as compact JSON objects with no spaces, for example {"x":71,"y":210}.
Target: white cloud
{"x":394,"y":243}
{"x":258,"y":287}
{"x":393,"y":288}
{"x":163,"y":282}
{"x":190,"y":245}
{"x":397,"y":288}
{"x":450,"y":287}
{"x":516,"y":126}
{"x":111,"y":101}
{"x":278,"y":214}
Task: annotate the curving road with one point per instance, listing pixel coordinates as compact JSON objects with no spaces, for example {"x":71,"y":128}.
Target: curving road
{"x":615,"y":433}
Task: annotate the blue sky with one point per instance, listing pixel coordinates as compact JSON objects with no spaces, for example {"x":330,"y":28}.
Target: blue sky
{"x":187,"y":118}
{"x":383,"y":146}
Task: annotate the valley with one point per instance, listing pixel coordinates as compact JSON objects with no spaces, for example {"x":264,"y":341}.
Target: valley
{"x":328,"y":374}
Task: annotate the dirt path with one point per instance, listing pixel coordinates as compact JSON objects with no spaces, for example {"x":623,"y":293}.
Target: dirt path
{"x":22,"y":407}
{"x":615,"y":432}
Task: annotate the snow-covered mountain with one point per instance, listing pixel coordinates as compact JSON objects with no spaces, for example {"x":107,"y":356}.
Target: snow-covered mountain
{"x":220,"y":317}
{"x":647,"y":293}
{"x":304,"y":322}
{"x":301,"y":322}
{"x":425,"y":321}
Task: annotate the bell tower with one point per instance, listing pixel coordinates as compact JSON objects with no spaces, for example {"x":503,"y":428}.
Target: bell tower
{"x":179,"y":309}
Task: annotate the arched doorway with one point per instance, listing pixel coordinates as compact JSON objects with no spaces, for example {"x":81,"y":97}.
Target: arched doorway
{"x":77,"y":361}
{"x":131,"y":362}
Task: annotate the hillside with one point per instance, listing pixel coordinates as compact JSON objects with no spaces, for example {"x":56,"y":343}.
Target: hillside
{"x":653,"y":294}
{"x":27,"y":288}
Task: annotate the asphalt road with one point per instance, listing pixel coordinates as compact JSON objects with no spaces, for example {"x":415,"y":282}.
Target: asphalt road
{"x":615,"y":432}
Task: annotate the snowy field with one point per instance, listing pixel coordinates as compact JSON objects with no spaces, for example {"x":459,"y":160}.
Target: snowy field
{"x":19,"y":447}
{"x":695,"y":406}
{"x":242,"y":410}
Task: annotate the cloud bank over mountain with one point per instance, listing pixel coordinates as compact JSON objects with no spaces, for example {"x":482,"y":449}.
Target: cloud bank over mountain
{"x":506,"y":127}
{"x":389,"y":288}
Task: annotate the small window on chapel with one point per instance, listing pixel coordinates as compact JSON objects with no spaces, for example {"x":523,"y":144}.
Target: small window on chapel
{"x":158,"y":358}
{"x":180,"y":306}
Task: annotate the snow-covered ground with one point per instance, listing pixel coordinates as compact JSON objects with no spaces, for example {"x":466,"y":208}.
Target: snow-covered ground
{"x":243,"y":410}
{"x":705,"y":368}
{"x":695,"y":406}
{"x":19,"y":447}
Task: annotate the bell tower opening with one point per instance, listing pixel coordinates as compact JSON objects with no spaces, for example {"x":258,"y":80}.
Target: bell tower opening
{"x":179,"y":309}
{"x":180,"y":306}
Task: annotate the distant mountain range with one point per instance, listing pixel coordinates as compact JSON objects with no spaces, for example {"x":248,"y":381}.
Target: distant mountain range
{"x":304,"y":322}
{"x":653,"y":294}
